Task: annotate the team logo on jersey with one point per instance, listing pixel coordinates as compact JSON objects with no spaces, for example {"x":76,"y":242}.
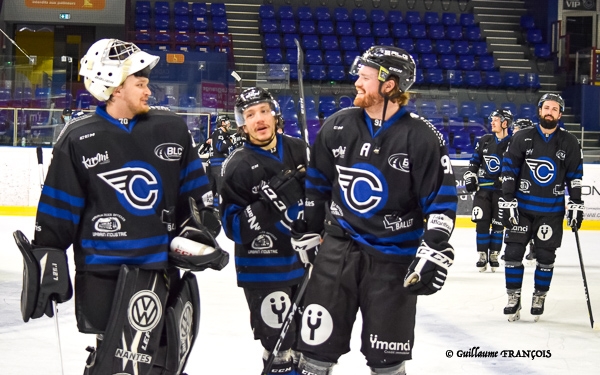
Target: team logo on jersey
{"x":389,"y":347}
{"x":561,"y":154}
{"x":395,"y":223}
{"x":317,"y":325}
{"x":262,"y":242}
{"x":524,"y":186}
{"x":492,"y":163}
{"x":95,"y":160}
{"x":544,"y":232}
{"x":169,"y":151}
{"x":542,"y":170}
{"x":364,"y":189}
{"x":399,"y":162}
{"x":476,"y":213}
{"x":274,"y":308}
{"x":336,"y":210}
{"x":138,"y":186}
{"x":144,"y":311}
{"x":108,"y":225}
{"x":339,"y":152}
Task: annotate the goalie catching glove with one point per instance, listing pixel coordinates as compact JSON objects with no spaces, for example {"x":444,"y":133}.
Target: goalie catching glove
{"x":427,"y":272}
{"x":284,"y":189}
{"x":45,"y":278}
{"x":575,"y":210}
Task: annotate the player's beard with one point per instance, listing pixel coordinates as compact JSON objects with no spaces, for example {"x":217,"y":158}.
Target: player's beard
{"x":548,"y":124}
{"x":367,"y":100}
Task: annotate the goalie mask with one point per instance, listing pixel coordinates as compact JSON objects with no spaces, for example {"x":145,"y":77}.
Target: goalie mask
{"x":109,"y":62}
{"x":254,"y":96}
{"x":389,"y":61}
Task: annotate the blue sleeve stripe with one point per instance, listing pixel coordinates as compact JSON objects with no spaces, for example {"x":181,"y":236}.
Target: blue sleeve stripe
{"x":439,"y":207}
{"x":507,"y":161}
{"x":573,"y":175}
{"x":270,"y":277}
{"x":319,"y":188}
{"x":315,"y":173}
{"x":145,"y":259}
{"x":447,"y":190}
{"x":531,"y":198}
{"x":126,"y":244}
{"x":194,"y":184}
{"x":229,"y":216}
{"x":265,"y":262}
{"x":193,"y":166}
{"x":535,"y":208}
{"x":58,"y":213}
{"x":63,"y":196}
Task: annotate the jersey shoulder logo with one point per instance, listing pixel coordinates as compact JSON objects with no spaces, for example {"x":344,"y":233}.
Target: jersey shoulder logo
{"x":492,"y":162}
{"x":138,"y":187}
{"x":400,"y":162}
{"x":363,"y":188}
{"x":169,"y":151}
{"x":542,"y":170}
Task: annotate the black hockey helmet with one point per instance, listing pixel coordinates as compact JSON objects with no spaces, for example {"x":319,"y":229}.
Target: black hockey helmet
{"x":389,"y":61}
{"x":554,"y":97}
{"x":253,"y":96}
{"x":505,"y":115}
{"x":523,"y":123}
{"x":67,"y":112}
{"x":222,"y":118}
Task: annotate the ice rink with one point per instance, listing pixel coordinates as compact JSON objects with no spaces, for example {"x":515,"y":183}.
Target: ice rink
{"x":466,"y":314}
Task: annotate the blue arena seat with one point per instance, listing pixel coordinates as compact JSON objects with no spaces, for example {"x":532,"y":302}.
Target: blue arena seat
{"x":181,"y":8}
{"x":468,"y":109}
{"x":348,"y":42}
{"x":322,"y":14}
{"x":412,"y":17}
{"x":436,"y":32}
{"x":362,"y":29}
{"x":486,"y":63}
{"x":431,"y":18}
{"x":273,"y":56}
{"x":448,"y":108}
{"x":346,"y":101}
{"x":427,"y":107}
{"x":443,"y":46}
{"x":350,"y":56}
{"x":285,"y":12}
{"x":542,"y":51}
{"x":311,"y":41}
{"x":336,"y":73}
{"x":381,"y":29}
{"x":534,"y":36}
{"x":313,"y":56}
{"x":400,"y":30}
{"x":486,"y":109}
{"x":419,"y":77}
{"x":378,"y":16}
{"x":512,"y":107}
{"x":406,"y":44}
{"x":386,"y":41}
{"x":447,"y":61}
{"x":202,"y":38}
{"x":493,"y":79}
{"x":327,"y":105}
{"x":424,"y":46}
{"x":454,"y":32}
{"x":365,"y":42}
{"x":218,"y":10}
{"x":449,"y":19}
{"x":288,"y":26}
{"x":325,"y":27}
{"x":288,"y":40}
{"x":428,"y":61}
{"x":454,"y":77}
{"x":531,"y":81}
{"x":162,"y":7}
{"x":527,"y":110}
{"x":182,"y":23}
{"x":330,"y":42}
{"x":200,"y":23}
{"x":527,"y":21}
{"x":304,"y":13}
{"x":480,"y":48}
{"x":466,"y":62}
{"x":142,"y":7}
{"x":268,"y":25}
{"x":467,"y":19}
{"x":512,"y":80}
{"x":266,"y":11}
{"x":418,"y":31}
{"x":472,"y":78}
{"x":359,"y":15}
{"x":142,"y":22}
{"x":462,"y":47}
{"x":272,"y":40}
{"x":473,"y":33}
{"x":344,"y":28}
{"x":291,"y":57}
{"x":199,"y":9}
{"x":332,"y":57}
{"x":341,"y":14}
{"x":434,"y":76}
{"x":219,"y":24}
{"x":162,"y":22}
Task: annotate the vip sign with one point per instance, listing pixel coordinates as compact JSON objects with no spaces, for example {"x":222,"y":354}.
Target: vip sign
{"x":579,"y":5}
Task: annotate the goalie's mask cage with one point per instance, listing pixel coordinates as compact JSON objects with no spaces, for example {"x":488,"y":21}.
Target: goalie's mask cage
{"x":254,"y":96}
{"x":109,"y":62}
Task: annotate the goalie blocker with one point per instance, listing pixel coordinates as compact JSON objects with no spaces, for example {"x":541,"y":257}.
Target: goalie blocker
{"x":45,"y":278}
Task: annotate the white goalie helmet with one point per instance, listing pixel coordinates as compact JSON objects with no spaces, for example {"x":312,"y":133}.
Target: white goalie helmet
{"x":109,"y":62}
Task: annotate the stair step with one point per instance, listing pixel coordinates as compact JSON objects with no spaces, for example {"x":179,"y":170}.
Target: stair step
{"x":501,"y":40}
{"x":495,"y":25}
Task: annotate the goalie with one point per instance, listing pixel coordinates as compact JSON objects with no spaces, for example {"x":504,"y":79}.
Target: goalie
{"x":121,"y":190}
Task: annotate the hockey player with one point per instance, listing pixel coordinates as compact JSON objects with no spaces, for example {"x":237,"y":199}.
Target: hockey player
{"x":482,"y":177}
{"x":539,"y":165}
{"x":222,"y":146}
{"x":117,"y":190}
{"x":381,"y":188}
{"x":261,"y":195}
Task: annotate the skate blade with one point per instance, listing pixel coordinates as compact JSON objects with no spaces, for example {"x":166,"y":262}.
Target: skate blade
{"x":536,"y":318}
{"x":514,"y":317}
{"x":482,"y":269}
{"x":493,"y":269}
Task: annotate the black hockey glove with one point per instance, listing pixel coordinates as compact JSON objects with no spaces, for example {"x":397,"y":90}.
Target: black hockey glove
{"x":427,"y":272}
{"x":470,"y":181}
{"x":284,"y":189}
{"x":306,"y":244}
{"x":45,"y":278}
{"x":508,"y":212}
{"x":575,"y":210}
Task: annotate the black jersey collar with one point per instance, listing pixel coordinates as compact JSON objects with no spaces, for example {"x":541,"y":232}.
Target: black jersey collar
{"x":277,"y":155}
{"x":101,"y":111}
{"x":386,"y":124}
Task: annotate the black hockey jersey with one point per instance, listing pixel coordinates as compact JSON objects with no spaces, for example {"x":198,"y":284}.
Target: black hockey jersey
{"x":487,"y":161}
{"x":116,"y":191}
{"x":263,"y":253}
{"x":222,"y":146}
{"x":379,"y":186}
{"x":536,"y":168}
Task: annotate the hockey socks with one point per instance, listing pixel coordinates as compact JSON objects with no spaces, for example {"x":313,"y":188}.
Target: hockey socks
{"x":513,"y":272}
{"x":543,"y":276}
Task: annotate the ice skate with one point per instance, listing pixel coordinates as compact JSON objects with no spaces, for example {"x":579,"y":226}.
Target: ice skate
{"x":537,"y":304}
{"x":494,"y":263}
{"x":482,"y":262}
{"x":513,"y":308}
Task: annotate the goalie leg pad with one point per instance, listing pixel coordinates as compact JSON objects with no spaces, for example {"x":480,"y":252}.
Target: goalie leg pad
{"x":45,"y":278}
{"x":135,"y":325}
{"x":181,"y":326}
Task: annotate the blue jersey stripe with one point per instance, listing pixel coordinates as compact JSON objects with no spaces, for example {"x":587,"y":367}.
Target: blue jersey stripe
{"x":63,"y":196}
{"x":126,"y":244}
{"x":270,"y":277}
{"x":320,"y":188}
{"x":193,"y":184}
{"x":58,"y":213}
{"x":265,"y":262}
{"x":190,"y":168}
{"x":144,"y":259}
{"x":541,"y":209}
{"x":531,"y":198}
{"x":231,"y":223}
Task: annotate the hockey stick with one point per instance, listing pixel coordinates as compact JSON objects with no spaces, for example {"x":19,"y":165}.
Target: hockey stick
{"x":304,"y":282}
{"x":40,"y":159}
{"x":585,"y":286}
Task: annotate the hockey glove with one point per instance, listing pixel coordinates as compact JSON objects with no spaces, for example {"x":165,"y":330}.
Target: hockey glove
{"x":470,"y":181}
{"x":284,"y":189}
{"x":508,"y":212}
{"x":306,"y":244}
{"x":575,"y":214}
{"x":427,"y":272}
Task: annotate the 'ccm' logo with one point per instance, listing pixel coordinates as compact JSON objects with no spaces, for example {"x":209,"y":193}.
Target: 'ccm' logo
{"x":364,"y":190}
{"x":138,"y":186}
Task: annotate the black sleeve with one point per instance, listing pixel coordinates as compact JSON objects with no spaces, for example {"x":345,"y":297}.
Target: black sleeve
{"x":511,"y":165}
{"x":320,"y":173}
{"x":574,"y":166}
